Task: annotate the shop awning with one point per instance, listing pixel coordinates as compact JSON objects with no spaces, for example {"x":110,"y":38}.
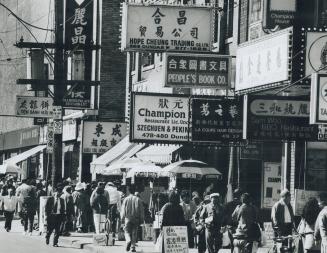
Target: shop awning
{"x":123,"y":149}
{"x":158,"y":154}
{"x":23,"y":156}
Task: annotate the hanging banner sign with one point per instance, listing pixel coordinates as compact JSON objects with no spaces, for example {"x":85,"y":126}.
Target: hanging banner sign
{"x":69,"y":130}
{"x":167,"y":28}
{"x":99,"y":137}
{"x":315,"y":52}
{"x":50,"y":137}
{"x":264,"y":62}
{"x":279,"y":13}
{"x":175,"y":239}
{"x":34,"y":107}
{"x":161,"y":118}
{"x":272,"y":184}
{"x":278,"y":118}
{"x":318,"y":100}
{"x":197,"y":70}
{"x":78,"y":97}
{"x":217,"y":120}
{"x":79,"y":23}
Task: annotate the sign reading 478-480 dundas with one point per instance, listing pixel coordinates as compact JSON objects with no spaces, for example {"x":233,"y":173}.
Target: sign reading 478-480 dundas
{"x":159,"y":118}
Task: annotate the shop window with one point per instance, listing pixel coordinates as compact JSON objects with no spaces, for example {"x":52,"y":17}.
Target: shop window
{"x":316,"y":173}
{"x":147,"y":59}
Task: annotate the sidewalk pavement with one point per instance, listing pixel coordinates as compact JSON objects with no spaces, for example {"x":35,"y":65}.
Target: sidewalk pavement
{"x":85,"y":241}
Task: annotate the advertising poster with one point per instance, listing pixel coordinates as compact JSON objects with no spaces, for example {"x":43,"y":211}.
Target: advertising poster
{"x":217,"y":120}
{"x":197,"y":70}
{"x":99,"y":137}
{"x":278,"y":118}
{"x":318,"y":99}
{"x":272,"y":184}
{"x":175,"y":239}
{"x":279,"y":13}
{"x":159,"y":118}
{"x":167,"y":28}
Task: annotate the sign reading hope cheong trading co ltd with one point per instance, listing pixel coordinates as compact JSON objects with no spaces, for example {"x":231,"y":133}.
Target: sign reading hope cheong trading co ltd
{"x":166,"y":28}
{"x":159,"y":118}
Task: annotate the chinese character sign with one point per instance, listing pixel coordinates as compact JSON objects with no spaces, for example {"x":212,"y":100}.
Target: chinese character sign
{"x":190,"y":70}
{"x":282,"y":118}
{"x":264,"y":61}
{"x":217,"y":120}
{"x":34,"y":107}
{"x":79,"y":23}
{"x":167,"y":28}
{"x":99,"y":137}
{"x":175,"y":239}
{"x":160,"y":118}
{"x":318,"y":100}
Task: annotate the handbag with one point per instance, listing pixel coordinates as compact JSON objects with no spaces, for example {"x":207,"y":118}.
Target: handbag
{"x":158,"y":245}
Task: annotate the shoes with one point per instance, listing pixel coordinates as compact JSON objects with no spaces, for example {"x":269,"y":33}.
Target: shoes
{"x":133,"y":249}
{"x":25,"y":233}
{"x":55,"y":245}
{"x":47,"y":241}
{"x":7,"y":229}
{"x":30,"y":233}
{"x":128,"y":246}
{"x":66,"y":234}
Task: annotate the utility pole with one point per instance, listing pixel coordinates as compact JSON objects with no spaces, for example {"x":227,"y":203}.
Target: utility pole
{"x":59,"y":87}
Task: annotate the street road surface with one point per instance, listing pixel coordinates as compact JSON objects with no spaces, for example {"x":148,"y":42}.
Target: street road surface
{"x":16,"y":242}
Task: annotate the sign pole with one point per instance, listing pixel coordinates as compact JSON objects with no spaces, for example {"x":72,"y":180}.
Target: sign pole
{"x":58,"y":89}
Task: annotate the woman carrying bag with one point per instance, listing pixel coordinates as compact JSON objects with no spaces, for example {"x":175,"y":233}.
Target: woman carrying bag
{"x":307,"y":226}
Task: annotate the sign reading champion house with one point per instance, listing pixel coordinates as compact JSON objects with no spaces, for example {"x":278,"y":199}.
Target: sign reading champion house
{"x":159,"y":118}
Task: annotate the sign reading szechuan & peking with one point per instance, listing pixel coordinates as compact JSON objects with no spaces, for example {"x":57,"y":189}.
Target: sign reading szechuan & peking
{"x":167,"y":28}
{"x":278,"y":118}
{"x":197,"y":70}
{"x":217,"y":119}
{"x":161,"y":118}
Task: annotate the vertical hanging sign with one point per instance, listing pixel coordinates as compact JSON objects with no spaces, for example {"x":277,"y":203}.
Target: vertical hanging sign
{"x":79,"y":23}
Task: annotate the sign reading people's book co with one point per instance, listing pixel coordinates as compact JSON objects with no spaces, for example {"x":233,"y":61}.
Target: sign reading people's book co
{"x":167,"y":28}
{"x":197,"y":70}
{"x":159,"y":118}
{"x":278,"y":118}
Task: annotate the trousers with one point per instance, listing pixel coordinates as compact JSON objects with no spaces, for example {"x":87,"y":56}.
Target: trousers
{"x":130,"y":232}
{"x":54,"y":222}
{"x":213,"y":240}
{"x":8,"y":219}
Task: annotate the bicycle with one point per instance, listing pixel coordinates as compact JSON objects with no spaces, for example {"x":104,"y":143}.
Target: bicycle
{"x":286,"y":243}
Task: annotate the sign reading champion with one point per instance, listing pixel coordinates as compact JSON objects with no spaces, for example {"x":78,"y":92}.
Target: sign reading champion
{"x":160,"y":118}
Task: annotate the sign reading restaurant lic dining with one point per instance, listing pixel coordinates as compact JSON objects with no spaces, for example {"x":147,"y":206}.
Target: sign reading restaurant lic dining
{"x":278,"y":118}
{"x":99,"y":137}
{"x":34,"y":107}
{"x":167,"y":28}
{"x":197,"y":70}
{"x":217,"y":120}
{"x":160,"y":118}
{"x":264,"y":62}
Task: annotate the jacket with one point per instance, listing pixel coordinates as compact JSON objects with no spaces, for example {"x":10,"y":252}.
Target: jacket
{"x":49,"y":206}
{"x":132,"y":209}
{"x":321,"y":226}
{"x":99,"y":203}
{"x":212,"y":216}
{"x":277,"y":214}
{"x":172,"y":215}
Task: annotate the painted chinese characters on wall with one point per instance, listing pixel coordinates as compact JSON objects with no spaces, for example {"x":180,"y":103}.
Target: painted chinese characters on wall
{"x":98,"y":137}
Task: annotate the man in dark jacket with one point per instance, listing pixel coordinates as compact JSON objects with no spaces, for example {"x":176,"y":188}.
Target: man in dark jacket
{"x":212,"y":216}
{"x":100,"y":207}
{"x":55,"y":210}
{"x":282,"y":215}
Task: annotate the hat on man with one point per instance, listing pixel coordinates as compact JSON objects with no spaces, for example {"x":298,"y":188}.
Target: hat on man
{"x":110,"y":184}
{"x":285,"y":193}
{"x":79,"y":186}
{"x":214,"y":195}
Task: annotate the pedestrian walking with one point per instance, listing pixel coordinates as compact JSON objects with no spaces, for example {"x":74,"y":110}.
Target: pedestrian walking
{"x":67,"y":225}
{"x":81,"y":201}
{"x":132,"y":213}
{"x":114,"y":205}
{"x":9,"y":207}
{"x":55,"y":210}
{"x":189,"y":209}
{"x":212,"y":216}
{"x":100,"y":207}
{"x":26,"y":194}
{"x":307,"y":225}
{"x":282,"y":215}
{"x":321,"y":224}
{"x":247,"y":231}
{"x":40,"y":192}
